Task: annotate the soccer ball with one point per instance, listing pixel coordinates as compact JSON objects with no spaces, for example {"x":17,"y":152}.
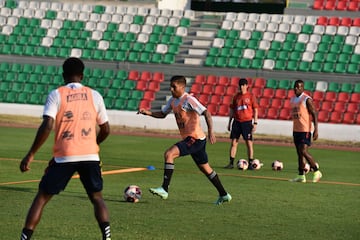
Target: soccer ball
{"x":242,"y":164}
{"x":277,"y":165}
{"x":307,"y":168}
{"x":256,"y":164}
{"x":132,"y":193}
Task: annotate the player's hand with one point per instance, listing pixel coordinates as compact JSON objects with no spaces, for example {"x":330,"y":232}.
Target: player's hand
{"x":315,"y":135}
{"x":25,"y":163}
{"x":142,"y":111}
{"x":212,"y":138}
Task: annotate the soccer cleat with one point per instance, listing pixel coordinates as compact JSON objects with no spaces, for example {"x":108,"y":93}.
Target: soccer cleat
{"x":317,"y":176}
{"x":159,"y":192}
{"x":299,"y":178}
{"x":222,"y":199}
{"x":229,"y":166}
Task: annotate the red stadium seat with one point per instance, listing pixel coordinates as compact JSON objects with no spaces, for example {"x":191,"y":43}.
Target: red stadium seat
{"x":272,"y":113}
{"x":227,"y":99}
{"x":196,"y":88}
{"x":341,"y":6}
{"x":287,"y":104}
{"x":346,"y":21}
{"x":269,"y":92}
{"x":141,"y":85}
{"x":208,"y":89}
{"x":280,"y":93}
{"x":234,"y":81}
{"x":329,"y":5}
{"x":317,"y":105}
{"x":216,"y":99}
{"x":257,"y":92}
{"x":335,"y":117}
{"x":323,"y":116}
{"x":330,"y":96}
{"x":353,"y":107}
{"x":290,"y":94}
{"x":264,"y":102}
{"x":145,"y":76}
{"x":259,"y":82}
{"x":231,"y":90}
{"x":204,"y":99}
{"x":149,"y":95}
{"x":146,"y":104}
{"x":356,"y":22}
{"x":334,"y":21}
{"x":211,"y":79}
{"x":276,"y":103}
{"x":223,"y":80}
{"x":357,"y":119}
{"x":318,"y":96}
{"x":327,"y":106}
{"x":261,"y":112}
{"x":220,"y":90}
{"x":340,"y":107}
{"x":349,"y":118}
{"x":355,"y":98}
{"x":285,"y":114}
{"x":223,"y":110}
{"x":318,"y":5}
{"x":134,"y":75}
{"x":343,"y":97}
{"x":158,"y":76}
{"x":213,"y":109}
{"x":154,"y":86}
{"x":353,"y":6}
{"x":322,"y":20}
{"x":200,"y":79}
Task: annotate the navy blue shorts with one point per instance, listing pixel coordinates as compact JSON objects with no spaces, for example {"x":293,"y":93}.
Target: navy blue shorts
{"x":57,"y":176}
{"x":243,"y":129}
{"x":301,"y":138}
{"x":194,"y":147}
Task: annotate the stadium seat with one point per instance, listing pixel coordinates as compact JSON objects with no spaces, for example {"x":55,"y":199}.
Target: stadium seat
{"x":327,"y":106}
{"x":280,"y":93}
{"x":318,"y":96}
{"x":340,"y":107}
{"x":264,"y":102}
{"x":231,"y":90}
{"x":261,"y":112}
{"x":268,"y":92}
{"x":330,"y":96}
{"x":323,"y":116}
{"x":223,"y":110}
{"x":349,"y":118}
{"x":284,"y":114}
{"x":343,"y":97}
{"x":276,"y":103}
{"x":272,"y":113}
{"x":335,"y":117}
{"x":212,"y":108}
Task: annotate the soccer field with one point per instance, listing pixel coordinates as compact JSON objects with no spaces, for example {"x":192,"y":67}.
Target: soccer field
{"x":265,"y":204}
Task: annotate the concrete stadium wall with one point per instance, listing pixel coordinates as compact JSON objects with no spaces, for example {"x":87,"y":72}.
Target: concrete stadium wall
{"x":336,"y":132}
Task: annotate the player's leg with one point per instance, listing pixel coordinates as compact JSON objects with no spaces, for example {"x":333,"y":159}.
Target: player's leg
{"x":90,"y":176}
{"x":232,"y":153}
{"x":299,"y":145}
{"x":309,"y":158}
{"x":169,"y":157}
{"x":246,"y":132}
{"x":34,"y":214}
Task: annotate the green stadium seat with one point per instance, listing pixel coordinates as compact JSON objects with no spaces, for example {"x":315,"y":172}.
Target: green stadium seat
{"x":280,"y":65}
{"x":285,"y":84}
{"x":210,"y":61}
{"x":244,"y":63}
{"x":340,"y":68}
{"x":353,"y":68}
{"x":346,"y":87}
{"x":328,"y":67}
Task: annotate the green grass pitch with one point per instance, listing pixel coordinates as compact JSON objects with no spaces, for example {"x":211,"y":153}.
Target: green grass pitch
{"x":265,"y":204}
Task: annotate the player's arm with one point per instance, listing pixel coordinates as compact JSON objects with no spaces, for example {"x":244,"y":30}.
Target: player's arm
{"x":42,"y":134}
{"x":231,"y":117}
{"x":311,"y":108}
{"x":209,"y":124}
{"x":158,"y":114}
{"x":103,"y":132}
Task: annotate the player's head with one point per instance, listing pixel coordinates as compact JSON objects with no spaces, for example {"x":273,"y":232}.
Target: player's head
{"x":243,"y":85}
{"x":73,"y":69}
{"x":177,"y":86}
{"x":298,"y":87}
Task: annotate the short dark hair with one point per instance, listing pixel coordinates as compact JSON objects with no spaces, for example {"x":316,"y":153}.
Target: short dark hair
{"x":298,"y":82}
{"x":243,"y":81}
{"x":179,"y":79}
{"x":73,"y":66}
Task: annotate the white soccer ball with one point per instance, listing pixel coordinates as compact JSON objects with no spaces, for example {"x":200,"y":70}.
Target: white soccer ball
{"x":256,"y":164}
{"x":307,"y":168}
{"x":277,"y":165}
{"x":242,"y":164}
{"x":132,"y":193}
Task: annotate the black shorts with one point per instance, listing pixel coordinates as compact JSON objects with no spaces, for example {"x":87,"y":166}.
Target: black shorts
{"x":241,"y":128}
{"x":301,"y":138}
{"x":194,"y":147}
{"x":58,"y":175}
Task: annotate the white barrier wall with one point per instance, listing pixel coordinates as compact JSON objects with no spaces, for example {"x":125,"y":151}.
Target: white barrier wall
{"x":336,"y":132}
{"x":174,"y":5}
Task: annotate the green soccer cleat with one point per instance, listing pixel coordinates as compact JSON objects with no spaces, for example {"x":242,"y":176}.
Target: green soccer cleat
{"x":317,"y":176}
{"x":299,"y":178}
{"x":222,"y":199}
{"x":159,"y":192}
